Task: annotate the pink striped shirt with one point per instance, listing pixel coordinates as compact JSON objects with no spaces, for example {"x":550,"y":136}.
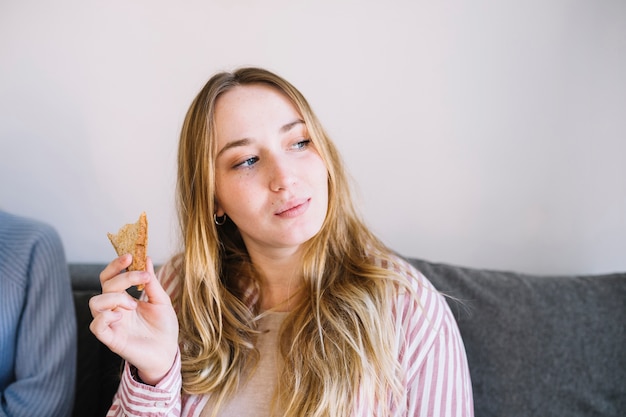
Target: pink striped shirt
{"x":431,"y":352}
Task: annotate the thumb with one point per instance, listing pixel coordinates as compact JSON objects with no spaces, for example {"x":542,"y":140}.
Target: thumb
{"x":153,"y":290}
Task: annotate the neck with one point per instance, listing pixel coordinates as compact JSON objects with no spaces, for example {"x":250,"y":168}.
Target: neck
{"x":281,"y":279}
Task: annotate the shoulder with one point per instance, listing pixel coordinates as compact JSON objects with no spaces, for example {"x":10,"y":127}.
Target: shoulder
{"x":18,"y":230}
{"x":408,"y":280}
{"x":419,"y":309}
{"x":26,"y":243}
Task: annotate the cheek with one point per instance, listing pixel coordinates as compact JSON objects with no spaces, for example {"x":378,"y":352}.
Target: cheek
{"x":235,"y":195}
{"x":225,"y":193}
{"x":321,"y":175}
{"x":321,"y":185}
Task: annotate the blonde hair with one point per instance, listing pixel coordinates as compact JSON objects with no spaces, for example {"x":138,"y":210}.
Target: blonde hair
{"x":337,"y":344}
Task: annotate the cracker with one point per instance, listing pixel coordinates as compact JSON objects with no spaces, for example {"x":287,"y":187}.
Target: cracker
{"x":133,"y":238}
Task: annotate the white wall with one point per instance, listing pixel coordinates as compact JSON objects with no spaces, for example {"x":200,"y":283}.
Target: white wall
{"x":483,"y":133}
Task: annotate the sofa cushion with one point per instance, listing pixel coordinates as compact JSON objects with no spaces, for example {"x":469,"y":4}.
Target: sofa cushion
{"x":98,"y":370}
{"x":539,"y":345}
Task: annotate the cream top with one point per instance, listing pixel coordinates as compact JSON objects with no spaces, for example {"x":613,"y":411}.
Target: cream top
{"x":253,"y":399}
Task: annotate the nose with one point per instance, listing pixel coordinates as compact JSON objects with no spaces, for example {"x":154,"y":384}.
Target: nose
{"x":282,"y":174}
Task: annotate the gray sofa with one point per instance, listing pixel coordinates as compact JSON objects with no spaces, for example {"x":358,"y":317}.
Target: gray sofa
{"x":536,"y":346}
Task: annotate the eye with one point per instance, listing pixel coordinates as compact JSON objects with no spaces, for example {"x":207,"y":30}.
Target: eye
{"x":247,"y":163}
{"x":303,"y":144}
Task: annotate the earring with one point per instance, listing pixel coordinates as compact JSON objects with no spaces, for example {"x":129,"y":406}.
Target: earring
{"x":219,"y":220}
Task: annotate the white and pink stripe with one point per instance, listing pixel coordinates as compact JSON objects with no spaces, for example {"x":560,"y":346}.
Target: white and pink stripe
{"x":430,"y":350}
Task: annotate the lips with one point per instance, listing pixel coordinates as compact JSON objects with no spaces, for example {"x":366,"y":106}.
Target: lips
{"x":293,"y":208}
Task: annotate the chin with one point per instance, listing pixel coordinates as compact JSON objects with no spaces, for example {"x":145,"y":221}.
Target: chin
{"x":298,"y":239}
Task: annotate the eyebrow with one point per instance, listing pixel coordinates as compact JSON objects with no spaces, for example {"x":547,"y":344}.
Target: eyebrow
{"x":246,"y":141}
{"x":286,"y":128}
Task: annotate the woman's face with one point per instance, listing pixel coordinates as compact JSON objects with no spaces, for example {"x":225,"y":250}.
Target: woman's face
{"x":270,"y":179}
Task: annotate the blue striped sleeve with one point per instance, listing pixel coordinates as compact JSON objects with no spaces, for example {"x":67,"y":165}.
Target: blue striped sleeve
{"x":37,"y":321}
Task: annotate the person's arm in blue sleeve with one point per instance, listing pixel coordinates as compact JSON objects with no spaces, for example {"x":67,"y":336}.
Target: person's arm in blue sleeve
{"x":44,"y":355}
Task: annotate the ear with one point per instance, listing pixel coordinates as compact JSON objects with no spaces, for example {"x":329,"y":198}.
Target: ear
{"x":219,"y":212}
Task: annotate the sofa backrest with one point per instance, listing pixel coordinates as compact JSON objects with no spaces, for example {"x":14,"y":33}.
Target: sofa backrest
{"x":98,"y":370}
{"x":539,"y":345}
{"x":536,"y":346}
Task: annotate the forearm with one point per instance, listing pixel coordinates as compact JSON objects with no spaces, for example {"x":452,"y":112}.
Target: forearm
{"x":136,"y":398}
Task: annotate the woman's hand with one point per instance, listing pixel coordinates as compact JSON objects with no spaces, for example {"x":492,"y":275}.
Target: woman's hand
{"x":143,"y":332}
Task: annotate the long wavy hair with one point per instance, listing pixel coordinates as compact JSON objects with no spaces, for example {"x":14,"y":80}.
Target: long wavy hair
{"x":337,"y":343}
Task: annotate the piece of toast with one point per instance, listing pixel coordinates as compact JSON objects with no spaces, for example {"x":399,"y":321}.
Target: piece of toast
{"x":133,"y":238}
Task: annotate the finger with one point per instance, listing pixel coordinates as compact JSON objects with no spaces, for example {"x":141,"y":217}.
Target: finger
{"x":115,"y":267}
{"x":101,"y":327}
{"x":125,"y":280}
{"x":153,"y":289}
{"x":111,"y":301}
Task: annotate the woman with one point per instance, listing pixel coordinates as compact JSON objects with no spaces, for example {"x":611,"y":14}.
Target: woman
{"x":282,"y":302}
